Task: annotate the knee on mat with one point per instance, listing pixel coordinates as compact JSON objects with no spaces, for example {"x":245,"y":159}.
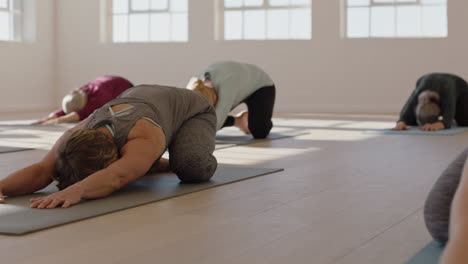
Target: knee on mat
{"x":196,"y":169}
{"x":259,"y":132}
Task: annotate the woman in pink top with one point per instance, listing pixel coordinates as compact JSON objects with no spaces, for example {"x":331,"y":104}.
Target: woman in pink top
{"x":82,"y":102}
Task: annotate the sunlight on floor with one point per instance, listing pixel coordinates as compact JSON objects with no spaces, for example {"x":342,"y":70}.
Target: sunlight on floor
{"x":319,"y":123}
{"x":335,"y":135}
{"x":283,"y":122}
{"x":243,"y":155}
{"x":26,"y":138}
{"x":368,"y":125}
{"x":9,"y":143}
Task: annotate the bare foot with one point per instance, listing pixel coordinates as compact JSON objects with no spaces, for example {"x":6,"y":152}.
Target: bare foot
{"x":242,"y":122}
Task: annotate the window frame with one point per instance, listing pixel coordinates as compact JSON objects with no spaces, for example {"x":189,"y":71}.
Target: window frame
{"x":15,"y":10}
{"x":109,"y":25}
{"x":372,"y":3}
{"x":220,"y":10}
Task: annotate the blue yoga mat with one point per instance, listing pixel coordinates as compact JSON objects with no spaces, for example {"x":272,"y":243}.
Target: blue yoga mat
{"x":430,"y":254}
{"x":416,"y":131}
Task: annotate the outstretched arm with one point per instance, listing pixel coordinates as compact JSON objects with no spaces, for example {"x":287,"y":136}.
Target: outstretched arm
{"x":51,"y":116}
{"x":138,"y":155}
{"x":455,"y":252}
{"x":53,"y":119}
{"x":34,"y":177}
{"x":68,"y":118}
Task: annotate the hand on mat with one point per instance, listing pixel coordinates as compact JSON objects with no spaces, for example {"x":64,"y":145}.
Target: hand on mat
{"x":433,"y":127}
{"x":39,"y":122}
{"x":400,"y":126}
{"x":2,"y":199}
{"x":43,"y":120}
{"x":51,"y":122}
{"x":65,"y":198}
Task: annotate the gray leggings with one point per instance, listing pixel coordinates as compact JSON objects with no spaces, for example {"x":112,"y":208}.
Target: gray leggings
{"x":439,"y":201}
{"x":191,"y":150}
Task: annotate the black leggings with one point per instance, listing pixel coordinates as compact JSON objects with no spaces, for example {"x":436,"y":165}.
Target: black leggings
{"x":260,"y":105}
{"x":461,"y":112}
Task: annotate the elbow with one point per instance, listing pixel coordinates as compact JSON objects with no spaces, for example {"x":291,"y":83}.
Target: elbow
{"x":115,"y":185}
{"x":122,"y":179}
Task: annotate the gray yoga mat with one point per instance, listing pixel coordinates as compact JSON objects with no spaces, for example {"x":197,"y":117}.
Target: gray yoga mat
{"x":16,"y":218}
{"x":12,"y":149}
{"x":227,"y":139}
{"x":416,"y":131}
{"x":430,"y":254}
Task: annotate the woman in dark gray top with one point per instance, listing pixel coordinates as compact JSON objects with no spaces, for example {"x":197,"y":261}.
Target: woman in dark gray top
{"x":121,"y":142}
{"x":438,"y":99}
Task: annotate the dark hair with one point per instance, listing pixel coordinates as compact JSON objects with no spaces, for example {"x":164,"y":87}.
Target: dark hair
{"x":83,"y":153}
{"x":428,"y":108}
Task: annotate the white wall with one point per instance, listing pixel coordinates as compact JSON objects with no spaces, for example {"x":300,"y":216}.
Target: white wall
{"x":27,"y":69}
{"x":327,"y":74}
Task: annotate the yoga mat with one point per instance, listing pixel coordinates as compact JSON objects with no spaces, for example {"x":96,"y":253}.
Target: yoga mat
{"x":12,"y":149}
{"x":416,"y":131}
{"x":16,"y":218}
{"x":430,"y":254}
{"x":232,"y":138}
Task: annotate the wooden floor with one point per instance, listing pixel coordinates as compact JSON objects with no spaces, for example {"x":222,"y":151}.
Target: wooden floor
{"x":344,"y":197}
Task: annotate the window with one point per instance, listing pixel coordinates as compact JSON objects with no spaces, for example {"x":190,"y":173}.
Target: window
{"x":10,"y":20}
{"x":396,"y":18}
{"x":265,"y":19}
{"x":148,"y":20}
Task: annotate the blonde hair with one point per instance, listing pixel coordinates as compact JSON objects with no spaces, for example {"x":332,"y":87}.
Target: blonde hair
{"x":198,"y":85}
{"x":83,"y":153}
{"x":428,"y":108}
{"x":74,"y":101}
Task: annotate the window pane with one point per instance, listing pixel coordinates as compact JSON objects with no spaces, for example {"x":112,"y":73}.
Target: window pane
{"x":120,"y":6}
{"x":358,"y":2}
{"x":434,"y":21}
{"x":301,"y":23}
{"x":254,"y":24}
{"x":300,"y":2}
{"x":179,"y":5}
{"x":4,"y":26}
{"x":253,"y":2}
{"x":383,"y":21}
{"x":140,"y":5}
{"x":232,"y":3}
{"x":278,"y":24}
{"x":160,"y":27}
{"x":232,"y":25}
{"x":408,"y":21}
{"x":3,"y":3}
{"x":406,"y":1}
{"x":279,"y":2}
{"x":120,"y":28}
{"x":180,"y":27}
{"x":358,"y":22}
{"x":159,"y":4}
{"x":139,"y":27}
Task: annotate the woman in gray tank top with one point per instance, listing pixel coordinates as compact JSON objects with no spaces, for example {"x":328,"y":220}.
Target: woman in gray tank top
{"x":121,"y":142}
